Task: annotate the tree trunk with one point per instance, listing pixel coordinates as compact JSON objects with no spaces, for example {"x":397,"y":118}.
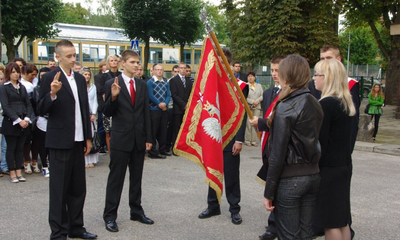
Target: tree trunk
{"x":11,"y":48}
{"x":146,"y":54}
{"x":392,"y":86}
{"x":182,"y":52}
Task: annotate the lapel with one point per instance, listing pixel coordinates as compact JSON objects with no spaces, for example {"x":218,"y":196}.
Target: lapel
{"x":124,"y":89}
{"x":65,"y":82}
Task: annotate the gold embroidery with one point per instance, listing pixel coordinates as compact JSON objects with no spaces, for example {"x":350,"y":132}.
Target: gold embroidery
{"x":232,"y":119}
{"x":193,"y":129}
{"x":217,"y":174}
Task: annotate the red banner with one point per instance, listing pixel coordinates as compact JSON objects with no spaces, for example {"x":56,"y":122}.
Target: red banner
{"x":213,"y":117}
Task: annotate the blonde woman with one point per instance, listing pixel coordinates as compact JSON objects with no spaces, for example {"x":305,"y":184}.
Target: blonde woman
{"x":91,"y":158}
{"x":375,"y":101}
{"x":254,"y":100}
{"x":333,"y":201}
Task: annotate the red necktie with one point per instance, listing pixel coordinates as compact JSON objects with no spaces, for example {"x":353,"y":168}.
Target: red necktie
{"x":133,"y":93}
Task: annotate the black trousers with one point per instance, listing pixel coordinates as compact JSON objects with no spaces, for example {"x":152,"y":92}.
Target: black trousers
{"x":67,"y":191}
{"x":118,"y":163}
{"x":170,"y":129}
{"x":376,"y":123}
{"x":232,"y":184}
{"x":176,"y":127}
{"x":40,"y":137}
{"x":15,"y":145}
{"x":159,"y":123}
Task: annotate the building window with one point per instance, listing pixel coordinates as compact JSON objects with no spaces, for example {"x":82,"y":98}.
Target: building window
{"x":115,"y":50}
{"x":188,"y":56}
{"x":93,"y":52}
{"x":156,"y":55}
{"x":197,"y":55}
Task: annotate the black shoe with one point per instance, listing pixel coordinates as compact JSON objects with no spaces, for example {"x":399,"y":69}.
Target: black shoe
{"x":268,"y":235}
{"x":111,"y":226}
{"x":166,"y":153}
{"x":142,"y":218}
{"x":236,"y":218}
{"x":209,"y":213}
{"x":85,"y":235}
{"x":157,"y":156}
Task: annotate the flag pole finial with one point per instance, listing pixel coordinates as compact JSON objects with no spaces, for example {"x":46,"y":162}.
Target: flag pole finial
{"x":204,"y":19}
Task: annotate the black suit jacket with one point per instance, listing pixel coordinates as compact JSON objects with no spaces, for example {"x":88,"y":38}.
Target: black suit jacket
{"x":61,"y":122}
{"x":130,"y":124}
{"x":267,"y":100}
{"x":243,"y":77}
{"x":15,"y":104}
{"x":180,"y":95}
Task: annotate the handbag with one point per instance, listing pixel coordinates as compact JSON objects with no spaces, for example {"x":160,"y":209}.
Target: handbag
{"x":366,"y":109}
{"x":96,"y":144}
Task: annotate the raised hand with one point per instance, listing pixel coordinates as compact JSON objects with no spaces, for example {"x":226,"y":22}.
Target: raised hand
{"x":115,"y":89}
{"x":55,"y":85}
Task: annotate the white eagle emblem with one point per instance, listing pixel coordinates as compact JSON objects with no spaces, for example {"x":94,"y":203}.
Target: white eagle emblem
{"x":212,"y":125}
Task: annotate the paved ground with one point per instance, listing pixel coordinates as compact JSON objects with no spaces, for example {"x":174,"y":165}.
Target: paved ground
{"x":174,"y":193}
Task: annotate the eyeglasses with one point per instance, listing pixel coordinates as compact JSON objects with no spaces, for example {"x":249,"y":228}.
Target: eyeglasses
{"x":319,"y":75}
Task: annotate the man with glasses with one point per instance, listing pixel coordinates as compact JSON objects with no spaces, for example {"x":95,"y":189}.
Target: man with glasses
{"x":239,"y":75}
{"x":159,"y":95}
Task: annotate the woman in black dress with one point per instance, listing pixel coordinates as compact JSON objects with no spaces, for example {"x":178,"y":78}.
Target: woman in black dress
{"x":333,"y":200}
{"x":16,"y":110}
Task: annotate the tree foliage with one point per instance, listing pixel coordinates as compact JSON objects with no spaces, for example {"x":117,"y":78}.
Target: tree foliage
{"x":267,"y":28}
{"x":218,"y":22}
{"x":105,"y":15}
{"x":142,"y":19}
{"x":383,"y":13}
{"x":29,"y":18}
{"x":73,"y":14}
{"x":363,"y":48}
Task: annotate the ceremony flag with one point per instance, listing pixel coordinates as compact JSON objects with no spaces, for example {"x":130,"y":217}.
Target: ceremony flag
{"x":212,"y":118}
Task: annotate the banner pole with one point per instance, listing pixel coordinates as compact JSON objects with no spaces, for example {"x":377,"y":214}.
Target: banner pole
{"x":203,"y":17}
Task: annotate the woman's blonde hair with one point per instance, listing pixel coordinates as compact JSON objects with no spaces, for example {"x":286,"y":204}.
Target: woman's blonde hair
{"x":336,"y":83}
{"x":108,"y":61}
{"x":295,"y":70}
{"x":380,"y":93}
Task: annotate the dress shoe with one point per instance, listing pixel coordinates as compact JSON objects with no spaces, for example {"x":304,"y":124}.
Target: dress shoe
{"x":268,"y":235}
{"x":111,"y":226}
{"x":142,"y":218}
{"x":85,"y":235}
{"x":236,"y":218}
{"x":166,"y":153}
{"x":209,"y":213}
{"x":157,"y":156}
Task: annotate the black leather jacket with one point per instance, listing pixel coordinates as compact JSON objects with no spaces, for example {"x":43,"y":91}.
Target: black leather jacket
{"x":293,"y":144}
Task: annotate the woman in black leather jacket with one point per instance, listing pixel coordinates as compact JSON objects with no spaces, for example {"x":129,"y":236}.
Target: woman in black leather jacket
{"x":293,"y":173}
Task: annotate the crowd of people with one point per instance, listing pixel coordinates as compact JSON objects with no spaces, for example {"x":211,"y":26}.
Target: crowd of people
{"x":308,"y":135}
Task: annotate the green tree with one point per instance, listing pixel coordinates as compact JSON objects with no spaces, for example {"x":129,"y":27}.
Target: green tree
{"x":363,"y":48}
{"x":218,"y":22}
{"x":73,"y":14}
{"x":187,"y":25}
{"x":143,"y":19}
{"x":29,"y":18}
{"x":105,"y":15}
{"x":268,"y":28}
{"x":384,"y":13}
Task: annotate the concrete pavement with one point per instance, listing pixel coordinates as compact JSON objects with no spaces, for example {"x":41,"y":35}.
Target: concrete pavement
{"x":174,"y":193}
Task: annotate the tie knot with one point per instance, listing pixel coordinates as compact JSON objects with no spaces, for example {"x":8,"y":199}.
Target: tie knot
{"x":131,"y":81}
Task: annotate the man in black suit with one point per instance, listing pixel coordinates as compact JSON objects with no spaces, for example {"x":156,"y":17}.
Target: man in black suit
{"x":269,"y":96}
{"x":63,"y":96}
{"x":236,"y":70}
{"x":127,"y":102}
{"x":180,"y":91}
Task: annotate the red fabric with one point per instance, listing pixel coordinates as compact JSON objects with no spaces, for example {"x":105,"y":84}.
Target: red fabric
{"x":133,"y":92}
{"x":265,"y":134}
{"x":213,"y":116}
{"x":242,"y":84}
{"x":352,"y":82}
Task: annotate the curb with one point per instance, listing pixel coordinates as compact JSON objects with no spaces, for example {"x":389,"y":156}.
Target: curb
{"x":389,"y":149}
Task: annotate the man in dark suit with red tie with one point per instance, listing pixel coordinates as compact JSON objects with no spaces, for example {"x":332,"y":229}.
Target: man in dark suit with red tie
{"x":64,"y":98}
{"x":127,"y":102}
{"x":180,"y":91}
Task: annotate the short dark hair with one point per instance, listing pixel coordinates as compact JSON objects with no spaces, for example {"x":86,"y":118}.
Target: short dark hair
{"x":251,"y":73}
{"x":236,"y":63}
{"x":63,"y":43}
{"x":43,"y":69}
{"x":154,"y":66}
{"x":29,"y":68}
{"x":227,"y":54}
{"x":77,"y":64}
{"x":277,"y":59}
{"x":188,"y":66}
{"x":9,"y":68}
{"x":18,"y":59}
{"x":128,"y":53}
{"x":175,"y":66}
{"x":51,"y":60}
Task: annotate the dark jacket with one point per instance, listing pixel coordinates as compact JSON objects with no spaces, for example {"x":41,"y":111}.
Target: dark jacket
{"x":179,"y":93}
{"x":294,"y":147}
{"x":15,"y":104}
